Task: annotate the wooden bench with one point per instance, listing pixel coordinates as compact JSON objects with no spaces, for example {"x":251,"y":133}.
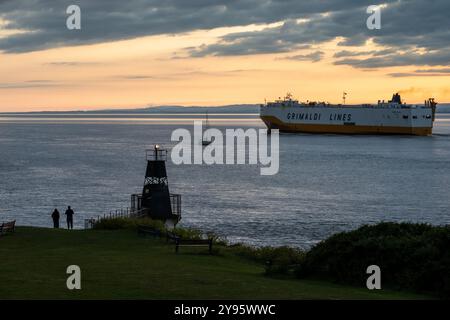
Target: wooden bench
{"x":7,"y":227}
{"x":179,"y":242}
{"x":145,"y":230}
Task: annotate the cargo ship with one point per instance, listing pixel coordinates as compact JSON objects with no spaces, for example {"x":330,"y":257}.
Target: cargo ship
{"x":391,"y":117}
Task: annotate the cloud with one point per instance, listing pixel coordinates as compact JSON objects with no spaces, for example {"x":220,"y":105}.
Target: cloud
{"x":184,"y":75}
{"x":411,"y":57}
{"x":70,"y":63}
{"x":441,"y":72}
{"x":409,"y":38}
{"x":314,"y":56}
{"x":111,"y":20}
{"x":136,"y":77}
{"x":293,"y":34}
{"x":29,"y":84}
{"x":280,"y":39}
{"x":290,"y":36}
{"x":348,"y":53}
{"x":412,"y":74}
{"x":414,"y":32}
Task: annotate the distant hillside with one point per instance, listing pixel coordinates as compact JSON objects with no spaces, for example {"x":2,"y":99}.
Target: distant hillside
{"x":443,"y":108}
{"x":238,"y":108}
{"x":241,"y":108}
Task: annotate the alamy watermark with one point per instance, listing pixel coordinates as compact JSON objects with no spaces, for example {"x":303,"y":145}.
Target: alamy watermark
{"x":73,"y":282}
{"x":237,"y":146}
{"x":374,"y":281}
{"x":73,"y":21}
{"x":374,"y":20}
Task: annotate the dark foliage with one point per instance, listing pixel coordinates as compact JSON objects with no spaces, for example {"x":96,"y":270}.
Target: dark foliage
{"x":411,"y":257}
{"x":277,"y":260}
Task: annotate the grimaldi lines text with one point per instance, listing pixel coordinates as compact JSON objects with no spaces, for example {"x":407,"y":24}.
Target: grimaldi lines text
{"x":392,"y":117}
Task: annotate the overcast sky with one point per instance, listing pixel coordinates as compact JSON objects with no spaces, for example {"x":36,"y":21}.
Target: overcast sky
{"x":185,"y":46}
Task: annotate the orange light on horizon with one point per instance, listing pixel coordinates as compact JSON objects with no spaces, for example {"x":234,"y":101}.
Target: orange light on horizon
{"x":138,"y":73}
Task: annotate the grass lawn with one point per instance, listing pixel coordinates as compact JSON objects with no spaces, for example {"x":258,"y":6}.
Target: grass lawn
{"x":121,"y":265}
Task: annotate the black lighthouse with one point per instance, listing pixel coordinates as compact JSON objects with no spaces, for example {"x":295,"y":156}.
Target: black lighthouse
{"x":156,"y":201}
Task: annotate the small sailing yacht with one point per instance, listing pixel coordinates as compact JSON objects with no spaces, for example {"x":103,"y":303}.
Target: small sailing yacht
{"x":205,"y":140}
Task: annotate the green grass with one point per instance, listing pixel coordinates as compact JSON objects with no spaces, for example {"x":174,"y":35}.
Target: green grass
{"x":121,"y":265}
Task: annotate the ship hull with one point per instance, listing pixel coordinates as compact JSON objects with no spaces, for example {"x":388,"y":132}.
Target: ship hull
{"x":349,"y":120}
{"x":274,"y":123}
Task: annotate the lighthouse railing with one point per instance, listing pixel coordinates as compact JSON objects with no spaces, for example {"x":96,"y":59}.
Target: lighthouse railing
{"x":119,"y":213}
{"x":156,"y":154}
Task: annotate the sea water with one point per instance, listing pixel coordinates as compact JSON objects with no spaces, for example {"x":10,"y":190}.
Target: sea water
{"x":326,"y":183}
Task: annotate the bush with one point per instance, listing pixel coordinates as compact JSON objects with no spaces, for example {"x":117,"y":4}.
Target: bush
{"x":278,"y":260}
{"x":111,"y":224}
{"x":188,"y":233}
{"x":129,"y":223}
{"x":411,"y":256}
{"x":133,"y":223}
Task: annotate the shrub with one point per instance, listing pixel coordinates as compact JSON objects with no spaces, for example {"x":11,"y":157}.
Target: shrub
{"x":184,"y":233}
{"x":129,"y":223}
{"x":217,"y":239}
{"x":133,"y":223}
{"x":278,"y":260}
{"x":411,"y":256}
{"x":111,"y":224}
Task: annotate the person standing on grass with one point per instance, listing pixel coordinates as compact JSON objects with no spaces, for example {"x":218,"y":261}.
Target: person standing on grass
{"x":55,"y":217}
{"x":69,"y":214}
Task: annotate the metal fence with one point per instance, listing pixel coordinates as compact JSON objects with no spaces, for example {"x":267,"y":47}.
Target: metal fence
{"x":134,"y":211}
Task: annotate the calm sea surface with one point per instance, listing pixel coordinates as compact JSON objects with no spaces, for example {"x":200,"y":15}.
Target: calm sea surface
{"x":326,"y":183}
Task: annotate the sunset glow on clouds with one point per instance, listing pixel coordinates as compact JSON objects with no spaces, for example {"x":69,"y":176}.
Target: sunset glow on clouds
{"x":139,"y":53}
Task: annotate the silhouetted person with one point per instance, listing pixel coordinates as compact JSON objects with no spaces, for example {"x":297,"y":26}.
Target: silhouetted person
{"x":69,"y":214}
{"x":55,"y":217}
